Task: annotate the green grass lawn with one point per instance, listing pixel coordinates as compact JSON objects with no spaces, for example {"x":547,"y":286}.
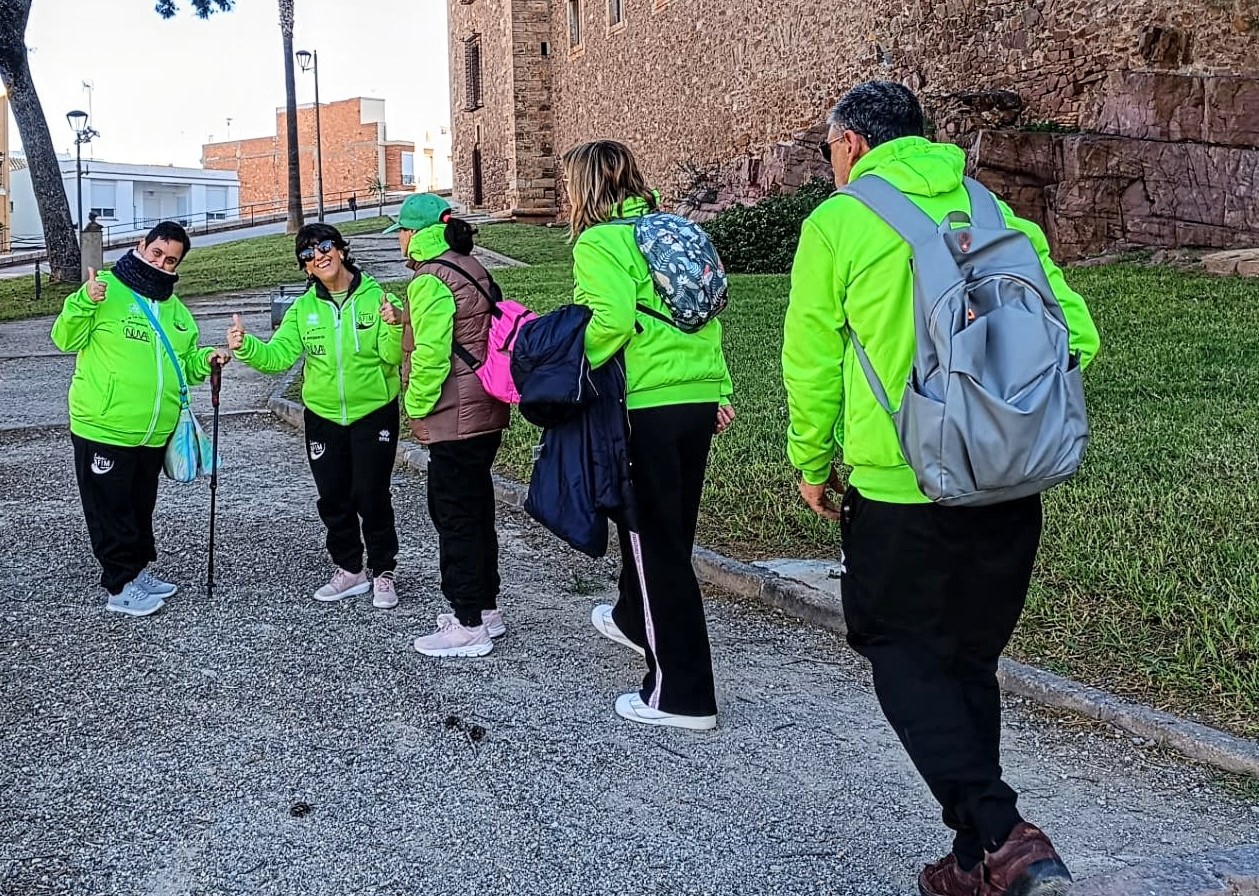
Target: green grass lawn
{"x":1148,"y":581}
{"x":255,"y":263}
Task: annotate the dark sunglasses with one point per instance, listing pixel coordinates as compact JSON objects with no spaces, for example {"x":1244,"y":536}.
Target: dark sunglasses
{"x":825,"y":148}
{"x":323,"y":247}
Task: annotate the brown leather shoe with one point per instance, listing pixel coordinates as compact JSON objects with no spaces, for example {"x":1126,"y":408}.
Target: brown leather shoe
{"x":1026,"y":865}
{"x":946,"y":878}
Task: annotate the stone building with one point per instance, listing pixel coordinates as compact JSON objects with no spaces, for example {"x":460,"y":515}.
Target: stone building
{"x":1116,"y":123}
{"x":356,"y":152}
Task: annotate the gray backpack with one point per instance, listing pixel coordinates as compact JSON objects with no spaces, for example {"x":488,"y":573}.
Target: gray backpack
{"x":993,"y":409}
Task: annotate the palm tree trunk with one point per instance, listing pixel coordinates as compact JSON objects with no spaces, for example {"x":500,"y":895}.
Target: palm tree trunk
{"x":290,"y":95}
{"x":41,"y":158}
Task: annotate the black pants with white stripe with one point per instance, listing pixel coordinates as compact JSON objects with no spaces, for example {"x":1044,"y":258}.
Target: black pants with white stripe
{"x":660,"y":606}
{"x":352,"y":466}
{"x":118,"y":488}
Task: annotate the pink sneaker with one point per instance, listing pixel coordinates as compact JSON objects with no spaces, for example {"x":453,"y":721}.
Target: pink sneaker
{"x":493,"y":621}
{"x":452,"y":639}
{"x":384,"y":594}
{"x":344,"y":584}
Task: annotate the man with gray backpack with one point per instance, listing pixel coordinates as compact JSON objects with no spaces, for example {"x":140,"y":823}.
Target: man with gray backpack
{"x":932,"y":343}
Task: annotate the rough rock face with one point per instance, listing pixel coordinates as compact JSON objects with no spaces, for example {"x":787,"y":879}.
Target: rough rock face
{"x":1222,"y":110}
{"x":1176,"y":165}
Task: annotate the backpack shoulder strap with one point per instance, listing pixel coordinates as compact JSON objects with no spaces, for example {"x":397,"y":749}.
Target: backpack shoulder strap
{"x":984,"y":211}
{"x":170,"y":350}
{"x":456,"y":346}
{"x":441,"y":262}
{"x":911,"y":223}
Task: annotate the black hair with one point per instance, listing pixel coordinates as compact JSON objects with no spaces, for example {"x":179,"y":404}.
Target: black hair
{"x":312,"y":235}
{"x":169,"y":230}
{"x":459,"y":235}
{"x":880,"y":111}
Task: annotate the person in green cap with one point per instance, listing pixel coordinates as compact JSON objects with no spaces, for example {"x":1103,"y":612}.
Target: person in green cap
{"x":447,"y":329}
{"x":350,"y":331}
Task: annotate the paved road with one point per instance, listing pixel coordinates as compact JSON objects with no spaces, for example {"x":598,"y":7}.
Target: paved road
{"x":173,"y":755}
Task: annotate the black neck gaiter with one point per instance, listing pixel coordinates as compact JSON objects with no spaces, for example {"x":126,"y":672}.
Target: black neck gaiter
{"x":141,"y":277}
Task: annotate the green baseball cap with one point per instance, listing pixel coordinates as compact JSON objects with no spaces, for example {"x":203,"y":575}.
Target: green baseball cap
{"x":420,"y":210}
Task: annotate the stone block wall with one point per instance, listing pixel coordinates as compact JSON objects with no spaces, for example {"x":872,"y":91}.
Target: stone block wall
{"x":724,"y":102}
{"x":486,"y":125}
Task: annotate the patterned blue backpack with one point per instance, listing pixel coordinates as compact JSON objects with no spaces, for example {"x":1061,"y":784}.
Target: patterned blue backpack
{"x":689,"y":277}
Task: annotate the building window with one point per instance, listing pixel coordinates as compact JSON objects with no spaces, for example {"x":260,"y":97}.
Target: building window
{"x":574,"y":24}
{"x":408,"y":169}
{"x":616,"y":12}
{"x":472,"y":73}
{"x":216,"y":203}
{"x":104,"y":198}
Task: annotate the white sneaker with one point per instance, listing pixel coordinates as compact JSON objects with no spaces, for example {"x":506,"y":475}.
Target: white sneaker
{"x":133,"y":600}
{"x":384,"y":594}
{"x":631,"y":706}
{"x":493,"y":622}
{"x":601,"y":619}
{"x":344,"y":584}
{"x":453,"y":639}
{"x":155,"y":586}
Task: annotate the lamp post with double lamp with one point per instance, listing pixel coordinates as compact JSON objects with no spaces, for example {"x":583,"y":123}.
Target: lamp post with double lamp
{"x":309,"y":62}
{"x":83,"y":133}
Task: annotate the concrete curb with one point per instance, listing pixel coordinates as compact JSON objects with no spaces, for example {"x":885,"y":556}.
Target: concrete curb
{"x":499,"y":259}
{"x":1202,"y":743}
{"x":1228,"y":872}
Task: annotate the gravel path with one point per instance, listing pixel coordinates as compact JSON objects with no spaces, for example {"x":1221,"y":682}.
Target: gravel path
{"x":176,"y":754}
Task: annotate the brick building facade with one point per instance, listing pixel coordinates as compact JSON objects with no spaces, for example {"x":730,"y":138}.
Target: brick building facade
{"x":1093,"y":115}
{"x":355,"y":153}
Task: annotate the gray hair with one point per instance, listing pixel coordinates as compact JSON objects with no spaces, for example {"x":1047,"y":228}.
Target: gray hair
{"x":879,"y":111}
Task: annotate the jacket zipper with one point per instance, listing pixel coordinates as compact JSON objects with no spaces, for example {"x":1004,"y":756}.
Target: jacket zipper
{"x":161,"y":378}
{"x":336,"y":317}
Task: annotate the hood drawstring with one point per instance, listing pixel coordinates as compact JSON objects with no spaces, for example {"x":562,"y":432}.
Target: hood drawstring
{"x":354,"y":319}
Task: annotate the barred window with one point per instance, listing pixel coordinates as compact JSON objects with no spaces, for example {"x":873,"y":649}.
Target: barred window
{"x":472,"y":73}
{"x":616,"y":12}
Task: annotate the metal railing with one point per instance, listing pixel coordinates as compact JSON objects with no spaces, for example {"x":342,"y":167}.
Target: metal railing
{"x":26,"y":249}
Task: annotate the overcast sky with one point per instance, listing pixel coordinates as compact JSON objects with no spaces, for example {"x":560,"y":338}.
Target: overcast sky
{"x":161,"y":88}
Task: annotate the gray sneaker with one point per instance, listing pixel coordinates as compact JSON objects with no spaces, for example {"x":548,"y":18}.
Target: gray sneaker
{"x":155,"y":586}
{"x":134,"y":601}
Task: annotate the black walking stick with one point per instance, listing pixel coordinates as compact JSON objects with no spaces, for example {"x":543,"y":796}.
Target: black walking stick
{"x":216,"y":380}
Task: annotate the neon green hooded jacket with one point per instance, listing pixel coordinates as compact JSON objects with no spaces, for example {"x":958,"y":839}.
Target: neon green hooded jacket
{"x":125,"y":390}
{"x":352,"y":355}
{"x":663,"y":365}
{"x":850,"y":265}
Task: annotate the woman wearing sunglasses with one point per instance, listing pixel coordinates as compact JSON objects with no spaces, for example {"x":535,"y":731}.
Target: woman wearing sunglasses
{"x":350,"y":331}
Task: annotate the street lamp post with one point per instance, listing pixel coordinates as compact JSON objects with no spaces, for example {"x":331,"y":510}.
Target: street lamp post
{"x":83,"y":133}
{"x":309,"y":62}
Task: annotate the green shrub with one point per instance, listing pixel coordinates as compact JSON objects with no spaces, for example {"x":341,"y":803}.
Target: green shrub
{"x":761,"y":238}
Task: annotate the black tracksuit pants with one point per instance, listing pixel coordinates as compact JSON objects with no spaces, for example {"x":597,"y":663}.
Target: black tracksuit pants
{"x":352,"y":466}
{"x":931,"y":596}
{"x":461,"y":503}
{"x":118,"y":488}
{"x":660,"y":607}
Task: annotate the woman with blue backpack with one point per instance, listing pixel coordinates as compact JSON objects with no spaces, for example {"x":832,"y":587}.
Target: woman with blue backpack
{"x":678,"y":393}
{"x":452,"y":306}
